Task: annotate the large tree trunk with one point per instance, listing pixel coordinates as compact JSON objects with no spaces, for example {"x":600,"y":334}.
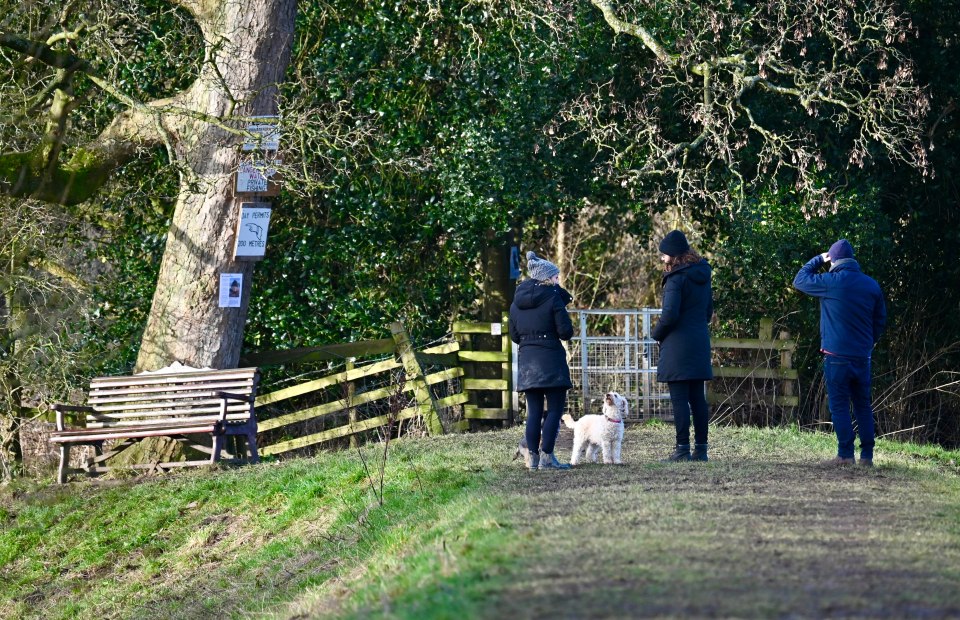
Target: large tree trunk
{"x":247,"y":46}
{"x":248,"y":49}
{"x":11,"y":391}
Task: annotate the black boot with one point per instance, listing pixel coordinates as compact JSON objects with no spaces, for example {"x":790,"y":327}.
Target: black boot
{"x":680,"y":453}
{"x":699,"y":452}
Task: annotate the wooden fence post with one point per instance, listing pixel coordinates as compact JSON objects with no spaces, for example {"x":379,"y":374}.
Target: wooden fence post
{"x":786,"y":362}
{"x":421,"y":392}
{"x":507,"y":368}
{"x":766,"y":328}
{"x":351,"y":393}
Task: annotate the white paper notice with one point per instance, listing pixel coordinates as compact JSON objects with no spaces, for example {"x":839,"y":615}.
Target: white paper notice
{"x":231,"y":289}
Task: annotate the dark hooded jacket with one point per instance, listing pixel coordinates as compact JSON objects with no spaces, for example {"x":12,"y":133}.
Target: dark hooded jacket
{"x":682,"y":329}
{"x":852,"y":311}
{"x":538,"y":322}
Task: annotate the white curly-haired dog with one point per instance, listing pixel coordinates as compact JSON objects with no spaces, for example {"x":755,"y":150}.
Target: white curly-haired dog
{"x":599,"y":432}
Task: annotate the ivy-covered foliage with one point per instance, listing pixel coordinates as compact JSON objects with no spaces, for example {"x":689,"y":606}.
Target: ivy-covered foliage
{"x":443,"y":114}
{"x":414,"y":132}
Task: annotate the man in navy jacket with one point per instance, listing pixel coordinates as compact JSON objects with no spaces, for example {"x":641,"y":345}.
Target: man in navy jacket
{"x":852,"y":317}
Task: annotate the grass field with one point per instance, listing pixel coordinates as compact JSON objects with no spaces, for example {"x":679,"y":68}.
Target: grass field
{"x":454,"y":529}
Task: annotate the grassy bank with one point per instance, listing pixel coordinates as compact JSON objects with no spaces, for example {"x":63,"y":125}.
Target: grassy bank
{"x":454,"y":529}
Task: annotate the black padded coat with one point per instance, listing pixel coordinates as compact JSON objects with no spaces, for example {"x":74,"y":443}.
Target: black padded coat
{"x":682,"y":329}
{"x":538,"y":322}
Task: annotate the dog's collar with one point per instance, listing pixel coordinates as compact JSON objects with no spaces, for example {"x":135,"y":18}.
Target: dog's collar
{"x":614,"y":420}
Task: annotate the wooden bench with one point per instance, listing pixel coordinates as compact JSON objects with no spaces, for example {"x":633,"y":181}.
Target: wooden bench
{"x":175,"y":402}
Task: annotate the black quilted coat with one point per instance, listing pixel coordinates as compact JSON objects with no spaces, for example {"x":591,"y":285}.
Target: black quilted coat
{"x":682,"y":329}
{"x":538,"y":322}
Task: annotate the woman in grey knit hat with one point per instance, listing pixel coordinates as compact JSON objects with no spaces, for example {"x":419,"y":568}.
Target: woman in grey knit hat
{"x":538,"y":322}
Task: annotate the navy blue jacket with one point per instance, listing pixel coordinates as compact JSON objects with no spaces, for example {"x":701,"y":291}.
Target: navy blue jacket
{"x":538,"y":322}
{"x":682,"y":328}
{"x":852,"y":311}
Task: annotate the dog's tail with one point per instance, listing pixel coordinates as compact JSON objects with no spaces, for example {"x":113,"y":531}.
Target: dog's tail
{"x":568,"y":420}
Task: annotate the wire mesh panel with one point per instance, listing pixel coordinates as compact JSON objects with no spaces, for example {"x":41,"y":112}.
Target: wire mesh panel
{"x":612,"y":351}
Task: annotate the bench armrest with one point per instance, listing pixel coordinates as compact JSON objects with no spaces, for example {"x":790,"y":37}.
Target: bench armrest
{"x":246,"y":398}
{"x":64,"y":411}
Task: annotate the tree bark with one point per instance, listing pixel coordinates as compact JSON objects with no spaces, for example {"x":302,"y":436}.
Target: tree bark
{"x":498,"y":286}
{"x":248,"y":49}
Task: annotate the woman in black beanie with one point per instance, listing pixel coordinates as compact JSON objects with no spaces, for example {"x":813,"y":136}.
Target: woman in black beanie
{"x":685,"y":342}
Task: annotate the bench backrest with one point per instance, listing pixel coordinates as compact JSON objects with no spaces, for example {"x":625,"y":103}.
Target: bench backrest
{"x":165,"y":398}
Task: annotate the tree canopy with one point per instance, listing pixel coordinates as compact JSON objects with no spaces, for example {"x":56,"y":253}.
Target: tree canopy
{"x":416,"y":134}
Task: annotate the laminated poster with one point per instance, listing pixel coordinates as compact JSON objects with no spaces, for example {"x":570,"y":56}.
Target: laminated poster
{"x":231,"y":289}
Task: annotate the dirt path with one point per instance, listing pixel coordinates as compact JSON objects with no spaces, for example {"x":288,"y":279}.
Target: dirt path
{"x":767,"y":535}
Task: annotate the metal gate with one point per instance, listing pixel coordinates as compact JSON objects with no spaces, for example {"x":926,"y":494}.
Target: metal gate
{"x":612,"y":351}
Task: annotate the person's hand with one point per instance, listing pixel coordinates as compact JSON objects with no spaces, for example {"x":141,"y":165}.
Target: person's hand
{"x":826,"y":257}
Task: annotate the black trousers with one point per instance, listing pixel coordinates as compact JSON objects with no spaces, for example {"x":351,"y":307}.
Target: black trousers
{"x":689,"y":397}
{"x":543,"y":424}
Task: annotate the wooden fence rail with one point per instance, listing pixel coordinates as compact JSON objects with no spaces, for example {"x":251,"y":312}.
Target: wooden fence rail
{"x":415,"y":383}
{"x":779,"y":349}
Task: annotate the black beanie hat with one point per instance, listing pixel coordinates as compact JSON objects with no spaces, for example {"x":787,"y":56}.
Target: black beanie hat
{"x":674,"y":244}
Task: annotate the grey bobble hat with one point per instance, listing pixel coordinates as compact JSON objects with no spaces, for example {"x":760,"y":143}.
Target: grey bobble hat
{"x":540,"y":268}
{"x":674,"y":244}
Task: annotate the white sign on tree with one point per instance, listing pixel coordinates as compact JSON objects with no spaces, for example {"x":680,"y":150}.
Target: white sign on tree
{"x":266,"y":136}
{"x":256,"y":177}
{"x":252,"y":227}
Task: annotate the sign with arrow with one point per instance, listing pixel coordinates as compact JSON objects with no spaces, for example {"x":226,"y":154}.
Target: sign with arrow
{"x":252,"y":227}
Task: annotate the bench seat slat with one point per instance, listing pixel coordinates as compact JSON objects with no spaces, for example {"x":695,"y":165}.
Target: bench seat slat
{"x":125,"y":404}
{"x":172,"y":386}
{"x":196,"y":388}
{"x":105,"y":434}
{"x":120,"y":411}
{"x":111,"y":423}
{"x":180,"y":377}
{"x":168,"y":385}
{"x":155,"y":426}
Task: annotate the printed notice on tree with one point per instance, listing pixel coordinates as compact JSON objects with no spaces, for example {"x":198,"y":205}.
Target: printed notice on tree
{"x":231,"y":290}
{"x":266,"y":135}
{"x":252,"y":227}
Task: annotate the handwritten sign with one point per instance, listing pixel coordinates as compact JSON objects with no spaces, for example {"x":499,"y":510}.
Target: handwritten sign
{"x":252,"y":227}
{"x":258,"y":177}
